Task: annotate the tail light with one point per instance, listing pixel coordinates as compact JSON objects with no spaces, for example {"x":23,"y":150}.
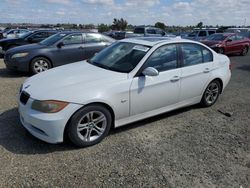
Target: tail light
{"x":230,"y":66}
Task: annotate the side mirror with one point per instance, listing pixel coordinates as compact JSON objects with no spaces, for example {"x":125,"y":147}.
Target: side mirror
{"x":150,"y":71}
{"x":60,"y":44}
{"x":229,"y":40}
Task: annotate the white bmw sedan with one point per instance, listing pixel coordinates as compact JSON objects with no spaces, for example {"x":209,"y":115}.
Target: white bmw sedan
{"x":128,"y":81}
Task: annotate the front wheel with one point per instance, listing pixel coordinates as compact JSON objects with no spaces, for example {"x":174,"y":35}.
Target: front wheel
{"x":89,"y":125}
{"x":39,"y":64}
{"x":244,"y":51}
{"x":220,"y":50}
{"x":211,"y":93}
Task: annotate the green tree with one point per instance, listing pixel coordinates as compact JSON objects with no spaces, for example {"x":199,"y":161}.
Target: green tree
{"x":103,"y":28}
{"x":199,"y":25}
{"x":160,"y":25}
{"x":119,"y":24}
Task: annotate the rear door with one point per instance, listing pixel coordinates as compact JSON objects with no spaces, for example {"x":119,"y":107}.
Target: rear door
{"x":93,"y":43}
{"x":197,"y":64}
{"x":71,"y":51}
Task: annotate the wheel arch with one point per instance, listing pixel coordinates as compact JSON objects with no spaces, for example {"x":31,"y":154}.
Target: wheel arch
{"x":220,"y":81}
{"x":109,"y":108}
{"x":43,"y":56}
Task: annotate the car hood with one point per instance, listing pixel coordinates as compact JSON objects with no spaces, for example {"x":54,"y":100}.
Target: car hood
{"x":67,"y":82}
{"x":25,"y":48}
{"x":5,"y":40}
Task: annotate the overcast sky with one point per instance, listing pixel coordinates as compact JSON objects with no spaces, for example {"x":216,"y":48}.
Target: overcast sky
{"x":137,"y":12}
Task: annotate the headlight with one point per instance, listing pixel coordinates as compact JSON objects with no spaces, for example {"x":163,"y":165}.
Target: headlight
{"x":49,"y":106}
{"x":19,"y":55}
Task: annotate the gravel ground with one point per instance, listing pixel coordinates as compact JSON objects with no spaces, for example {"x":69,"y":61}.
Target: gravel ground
{"x":191,"y":147}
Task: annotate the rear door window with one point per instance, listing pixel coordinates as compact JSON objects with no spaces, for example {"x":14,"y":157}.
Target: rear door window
{"x":93,"y":38}
{"x":151,"y":31}
{"x":191,"y":54}
{"x":73,"y":39}
{"x":211,"y":32}
{"x":202,"y":34}
{"x":207,"y":55}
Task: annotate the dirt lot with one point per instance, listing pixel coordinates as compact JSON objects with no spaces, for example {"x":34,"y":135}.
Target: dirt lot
{"x":191,"y":147}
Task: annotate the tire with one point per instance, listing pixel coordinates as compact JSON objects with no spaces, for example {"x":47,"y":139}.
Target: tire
{"x":211,"y":93}
{"x":220,"y":51}
{"x":89,"y":125}
{"x":39,"y":64}
{"x":244,"y":51}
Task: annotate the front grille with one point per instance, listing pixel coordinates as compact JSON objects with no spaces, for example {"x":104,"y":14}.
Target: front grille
{"x":24,"y":97}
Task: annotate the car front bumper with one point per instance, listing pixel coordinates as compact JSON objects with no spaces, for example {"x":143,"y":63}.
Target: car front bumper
{"x":2,"y":52}
{"x":47,"y":127}
{"x":17,"y":64}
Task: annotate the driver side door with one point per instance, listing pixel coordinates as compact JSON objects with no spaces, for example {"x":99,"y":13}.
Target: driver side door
{"x":150,"y":93}
{"x":71,"y":51}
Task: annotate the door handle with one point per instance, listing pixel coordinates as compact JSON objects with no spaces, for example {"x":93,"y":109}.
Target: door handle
{"x":81,"y":48}
{"x":175,"y":79}
{"x":207,"y":70}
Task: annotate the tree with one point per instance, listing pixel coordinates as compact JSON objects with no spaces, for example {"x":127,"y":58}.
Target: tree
{"x":199,"y":25}
{"x":103,"y":28}
{"x":119,"y":24}
{"x":160,"y":25}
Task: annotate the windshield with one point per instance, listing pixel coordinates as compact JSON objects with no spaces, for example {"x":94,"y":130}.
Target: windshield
{"x":216,"y":37}
{"x":53,"y":39}
{"x":120,"y":57}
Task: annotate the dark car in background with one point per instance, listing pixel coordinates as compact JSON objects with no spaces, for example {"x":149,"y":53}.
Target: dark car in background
{"x":59,"y":49}
{"x":228,"y":43}
{"x":14,"y":33}
{"x":27,"y":38}
{"x":199,"y":34}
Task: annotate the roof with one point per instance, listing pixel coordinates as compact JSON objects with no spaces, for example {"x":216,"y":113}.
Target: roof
{"x":152,"y":41}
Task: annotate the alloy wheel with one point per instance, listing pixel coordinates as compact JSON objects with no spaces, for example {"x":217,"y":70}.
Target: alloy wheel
{"x":212,"y":93}
{"x":91,"y":126}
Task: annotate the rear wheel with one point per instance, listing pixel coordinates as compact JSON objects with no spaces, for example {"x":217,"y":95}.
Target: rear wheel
{"x":89,"y":125}
{"x":244,"y":51}
{"x":39,"y":64}
{"x":211,"y":93}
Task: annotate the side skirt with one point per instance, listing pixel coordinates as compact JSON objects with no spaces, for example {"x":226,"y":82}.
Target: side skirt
{"x":152,"y":113}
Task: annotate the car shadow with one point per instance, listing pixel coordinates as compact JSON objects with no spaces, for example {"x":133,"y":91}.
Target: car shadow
{"x":244,"y":67}
{"x":5,"y":73}
{"x":14,"y":138}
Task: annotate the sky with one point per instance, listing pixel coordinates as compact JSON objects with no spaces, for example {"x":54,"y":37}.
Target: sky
{"x":136,"y":12}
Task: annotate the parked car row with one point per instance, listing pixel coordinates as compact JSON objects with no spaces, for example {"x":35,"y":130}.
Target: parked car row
{"x":228,"y":43}
{"x":59,"y":49}
{"x":39,"y":50}
{"x":27,"y":38}
{"x":140,"y":31}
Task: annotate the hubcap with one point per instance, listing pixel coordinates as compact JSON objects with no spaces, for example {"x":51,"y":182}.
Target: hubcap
{"x":40,"y":66}
{"x":91,"y":126}
{"x":220,"y":51}
{"x":212,"y":93}
{"x":244,"y":51}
